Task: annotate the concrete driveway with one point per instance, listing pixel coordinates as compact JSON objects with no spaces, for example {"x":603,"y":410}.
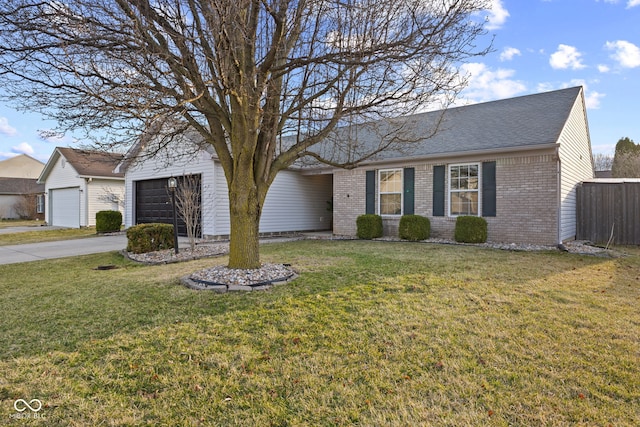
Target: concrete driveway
{"x":22,"y":229}
{"x":64,"y":248}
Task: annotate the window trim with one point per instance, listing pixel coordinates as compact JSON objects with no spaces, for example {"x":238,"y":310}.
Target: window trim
{"x":40,"y":203}
{"x":379,"y":192}
{"x":478,"y":166}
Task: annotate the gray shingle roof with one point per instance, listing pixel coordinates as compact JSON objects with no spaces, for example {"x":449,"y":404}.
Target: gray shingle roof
{"x":92,"y":163}
{"x":20,"y":186}
{"x":525,"y":121}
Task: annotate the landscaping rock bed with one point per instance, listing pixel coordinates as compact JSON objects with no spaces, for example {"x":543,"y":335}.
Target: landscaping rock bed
{"x":168,"y":256}
{"x":222,"y":279}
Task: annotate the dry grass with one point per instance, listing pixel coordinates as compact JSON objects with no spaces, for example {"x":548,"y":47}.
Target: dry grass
{"x":5,"y":223}
{"x":370,"y":334}
{"x":46,"y":235}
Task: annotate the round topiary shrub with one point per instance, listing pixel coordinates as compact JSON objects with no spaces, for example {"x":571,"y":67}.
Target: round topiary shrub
{"x":471,"y":229}
{"x":414,"y":227}
{"x":369,"y":226}
{"x":108,"y":221}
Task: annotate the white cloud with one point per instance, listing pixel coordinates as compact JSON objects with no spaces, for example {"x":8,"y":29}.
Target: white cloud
{"x":485,"y":84}
{"x":23,"y":148}
{"x":566,"y":57}
{"x":633,"y":3}
{"x":626,"y":54}
{"x":6,"y":128}
{"x":591,"y":97}
{"x":4,"y":155}
{"x":497,"y":15}
{"x":603,"y":68}
{"x":508,"y":53}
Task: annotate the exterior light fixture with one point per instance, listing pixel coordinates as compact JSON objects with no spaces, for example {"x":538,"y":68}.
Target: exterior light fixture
{"x":173,"y":185}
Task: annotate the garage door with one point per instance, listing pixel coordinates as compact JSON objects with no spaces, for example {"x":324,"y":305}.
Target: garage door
{"x":65,"y":207}
{"x":153,"y":203}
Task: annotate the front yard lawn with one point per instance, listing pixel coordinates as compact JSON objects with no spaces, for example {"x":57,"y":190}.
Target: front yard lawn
{"x":370,"y":333}
{"x":46,"y":235}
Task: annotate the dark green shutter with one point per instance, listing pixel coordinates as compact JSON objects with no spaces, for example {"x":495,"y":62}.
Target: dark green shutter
{"x":438,"y":190}
{"x":489,"y":189}
{"x":370,"y":207}
{"x":408,"y":184}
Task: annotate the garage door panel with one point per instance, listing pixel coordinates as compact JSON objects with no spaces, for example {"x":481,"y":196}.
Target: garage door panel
{"x":65,"y":207}
{"x":153,"y":204}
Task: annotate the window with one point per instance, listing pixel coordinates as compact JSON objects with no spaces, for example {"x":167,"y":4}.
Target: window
{"x":463,"y":189}
{"x":40,"y":203}
{"x":390,"y":192}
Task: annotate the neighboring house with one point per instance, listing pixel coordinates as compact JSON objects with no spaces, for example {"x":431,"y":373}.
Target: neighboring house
{"x":20,"y":195}
{"x":604,"y":174}
{"x":516,"y":162}
{"x":295,"y":202}
{"x":21,"y":198}
{"x":79,"y":183}
{"x":21,"y":166}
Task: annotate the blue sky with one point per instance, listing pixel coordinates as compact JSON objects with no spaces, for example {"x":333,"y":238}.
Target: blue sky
{"x":539,"y":45}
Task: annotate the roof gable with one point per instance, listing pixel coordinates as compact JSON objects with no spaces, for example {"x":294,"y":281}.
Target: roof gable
{"x":87,"y":163}
{"x":21,"y":166}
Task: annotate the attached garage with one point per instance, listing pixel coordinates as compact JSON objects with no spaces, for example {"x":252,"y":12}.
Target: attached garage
{"x":64,"y":205}
{"x":153,"y":203}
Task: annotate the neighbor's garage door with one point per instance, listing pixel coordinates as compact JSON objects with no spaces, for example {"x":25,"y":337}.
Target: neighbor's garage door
{"x":65,"y":207}
{"x":153,"y":203}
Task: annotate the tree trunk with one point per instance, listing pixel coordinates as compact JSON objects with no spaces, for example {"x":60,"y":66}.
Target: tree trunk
{"x":245,"y":207}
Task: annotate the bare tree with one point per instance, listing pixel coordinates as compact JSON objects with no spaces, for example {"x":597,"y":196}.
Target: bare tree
{"x":602,"y":162}
{"x":25,"y":206}
{"x":241,"y":73}
{"x":189,"y":205}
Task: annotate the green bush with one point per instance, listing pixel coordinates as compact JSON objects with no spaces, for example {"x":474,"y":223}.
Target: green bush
{"x":369,"y":226}
{"x":143,"y":238}
{"x":471,"y":229}
{"x":414,"y":227}
{"x":108,"y":221}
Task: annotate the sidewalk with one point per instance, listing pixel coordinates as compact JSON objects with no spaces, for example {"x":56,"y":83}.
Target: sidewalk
{"x":63,"y":248}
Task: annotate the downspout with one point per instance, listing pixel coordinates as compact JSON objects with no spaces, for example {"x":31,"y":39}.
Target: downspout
{"x":559,"y":243}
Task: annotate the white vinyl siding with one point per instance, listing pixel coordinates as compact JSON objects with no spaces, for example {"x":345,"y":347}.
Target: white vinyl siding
{"x":576,"y":164}
{"x":104,"y":195}
{"x":297,"y":202}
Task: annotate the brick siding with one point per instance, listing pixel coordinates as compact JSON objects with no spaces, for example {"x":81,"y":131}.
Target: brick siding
{"x":526,"y":201}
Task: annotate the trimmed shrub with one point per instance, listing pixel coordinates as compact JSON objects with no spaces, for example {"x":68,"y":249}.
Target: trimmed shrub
{"x":143,"y":238}
{"x":414,"y":227}
{"x":108,"y":221}
{"x":471,"y":229}
{"x":369,"y":226}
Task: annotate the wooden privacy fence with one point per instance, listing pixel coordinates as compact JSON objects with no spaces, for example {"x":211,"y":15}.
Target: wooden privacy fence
{"x":609,"y":210}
